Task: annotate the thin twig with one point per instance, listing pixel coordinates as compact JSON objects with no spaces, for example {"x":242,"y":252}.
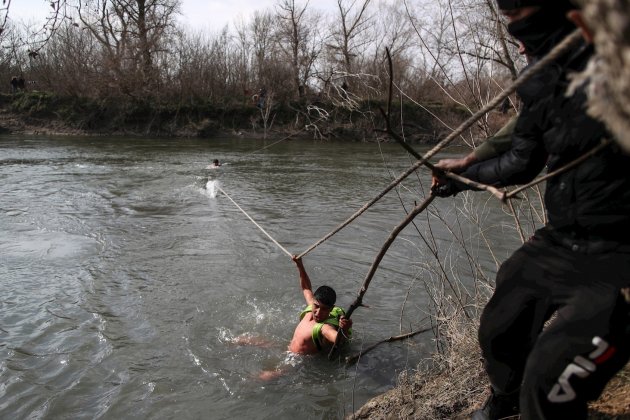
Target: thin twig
{"x":352,"y":359}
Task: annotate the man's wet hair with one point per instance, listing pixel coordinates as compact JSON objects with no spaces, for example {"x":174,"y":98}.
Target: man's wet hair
{"x":325,"y":295}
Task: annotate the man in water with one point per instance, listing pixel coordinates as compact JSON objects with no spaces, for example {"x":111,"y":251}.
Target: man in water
{"x":320,"y":321}
{"x":318,"y":327}
{"x":215,"y":164}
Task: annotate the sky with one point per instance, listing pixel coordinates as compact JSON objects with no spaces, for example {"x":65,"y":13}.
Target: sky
{"x":199,"y":14}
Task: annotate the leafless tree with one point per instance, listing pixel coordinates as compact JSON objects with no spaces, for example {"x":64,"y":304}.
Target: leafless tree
{"x":131,"y":32}
{"x":261,"y":33}
{"x":350,"y":36}
{"x":38,"y":36}
{"x":300,"y":41}
{"x":70,"y":64}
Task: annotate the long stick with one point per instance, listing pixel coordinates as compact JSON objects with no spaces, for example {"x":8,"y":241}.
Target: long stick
{"x":558,"y":50}
{"x":379,"y":257}
{"x":368,"y":278}
{"x":254,"y":222}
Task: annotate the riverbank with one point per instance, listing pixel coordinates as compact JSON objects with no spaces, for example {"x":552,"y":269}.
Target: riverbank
{"x":412,"y":399}
{"x":452,"y":385}
{"x":43,"y":113}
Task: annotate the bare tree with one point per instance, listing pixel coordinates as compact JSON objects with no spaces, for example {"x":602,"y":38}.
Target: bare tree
{"x":299,"y":39}
{"x":4,"y":14}
{"x":40,"y":35}
{"x":70,"y":64}
{"x":131,"y":32}
{"x":394,"y":32}
{"x":261,"y":32}
{"x":349,"y":35}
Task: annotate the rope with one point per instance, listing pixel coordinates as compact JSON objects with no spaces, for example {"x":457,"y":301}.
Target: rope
{"x":254,"y":222}
{"x":570,"y":41}
{"x":284,"y":138}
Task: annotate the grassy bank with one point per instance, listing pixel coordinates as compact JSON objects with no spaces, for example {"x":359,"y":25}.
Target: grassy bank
{"x":46,"y":113}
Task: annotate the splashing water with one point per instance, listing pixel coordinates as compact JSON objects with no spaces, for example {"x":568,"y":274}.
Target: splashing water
{"x":211,"y":188}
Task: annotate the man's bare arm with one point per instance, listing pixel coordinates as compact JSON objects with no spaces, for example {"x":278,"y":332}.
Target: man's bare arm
{"x":330,"y":331}
{"x":305,"y":281}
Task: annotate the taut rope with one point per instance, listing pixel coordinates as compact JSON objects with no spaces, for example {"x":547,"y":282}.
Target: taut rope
{"x":254,"y":222}
{"x":284,"y":138}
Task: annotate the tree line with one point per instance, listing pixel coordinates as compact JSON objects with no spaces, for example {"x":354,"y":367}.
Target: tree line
{"x":445,"y":52}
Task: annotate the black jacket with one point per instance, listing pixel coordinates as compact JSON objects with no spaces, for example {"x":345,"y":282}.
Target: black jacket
{"x":588,"y":206}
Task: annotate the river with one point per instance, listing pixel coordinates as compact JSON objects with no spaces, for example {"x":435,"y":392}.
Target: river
{"x":126,"y":276}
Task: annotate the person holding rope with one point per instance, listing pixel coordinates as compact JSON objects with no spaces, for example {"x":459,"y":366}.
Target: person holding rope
{"x":320,"y":320}
{"x":578,"y":265}
{"x":320,"y":323}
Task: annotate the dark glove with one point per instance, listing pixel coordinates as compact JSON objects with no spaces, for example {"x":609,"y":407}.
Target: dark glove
{"x":445,"y":190}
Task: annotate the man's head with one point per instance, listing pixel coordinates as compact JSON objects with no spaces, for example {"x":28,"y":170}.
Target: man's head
{"x":325,"y":298}
{"x":325,"y":295}
{"x":537,"y":24}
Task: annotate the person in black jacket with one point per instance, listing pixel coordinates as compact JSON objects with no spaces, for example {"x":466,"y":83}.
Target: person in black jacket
{"x":578,"y":264}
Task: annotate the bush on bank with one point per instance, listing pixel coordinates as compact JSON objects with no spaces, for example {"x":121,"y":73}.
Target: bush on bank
{"x":205,"y":119}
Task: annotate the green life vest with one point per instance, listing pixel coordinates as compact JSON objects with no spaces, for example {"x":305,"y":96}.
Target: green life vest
{"x":333,"y":319}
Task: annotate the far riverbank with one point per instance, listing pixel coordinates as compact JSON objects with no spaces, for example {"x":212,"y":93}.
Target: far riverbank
{"x":48,"y":114}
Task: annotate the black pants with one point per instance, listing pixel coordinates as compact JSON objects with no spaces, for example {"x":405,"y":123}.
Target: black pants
{"x":561,"y":368}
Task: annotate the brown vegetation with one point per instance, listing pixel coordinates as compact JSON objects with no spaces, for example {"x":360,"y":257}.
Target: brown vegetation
{"x":452,"y":385}
{"x":290,"y":62}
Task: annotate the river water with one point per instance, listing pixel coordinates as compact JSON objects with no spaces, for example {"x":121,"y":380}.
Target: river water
{"x":126,"y":276}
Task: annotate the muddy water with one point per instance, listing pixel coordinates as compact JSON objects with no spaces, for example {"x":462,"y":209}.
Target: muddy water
{"x":125,"y":276}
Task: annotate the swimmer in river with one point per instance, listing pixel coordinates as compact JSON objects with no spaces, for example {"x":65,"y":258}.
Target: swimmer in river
{"x":320,"y":320}
{"x":320,"y":323}
{"x":215,"y":164}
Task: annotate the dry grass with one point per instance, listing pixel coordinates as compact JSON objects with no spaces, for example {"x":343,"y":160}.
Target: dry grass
{"x":443,"y":387}
{"x":451,"y":385}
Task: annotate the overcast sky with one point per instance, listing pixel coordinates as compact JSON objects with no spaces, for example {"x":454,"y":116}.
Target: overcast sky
{"x":200,"y":14}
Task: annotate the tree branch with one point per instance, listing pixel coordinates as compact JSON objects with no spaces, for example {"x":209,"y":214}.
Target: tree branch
{"x":352,"y":359}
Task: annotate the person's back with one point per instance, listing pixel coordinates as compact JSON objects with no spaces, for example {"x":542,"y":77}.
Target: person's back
{"x":318,"y":326}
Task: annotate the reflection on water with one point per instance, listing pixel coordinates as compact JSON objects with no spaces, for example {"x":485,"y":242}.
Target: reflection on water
{"x":126,"y":277}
